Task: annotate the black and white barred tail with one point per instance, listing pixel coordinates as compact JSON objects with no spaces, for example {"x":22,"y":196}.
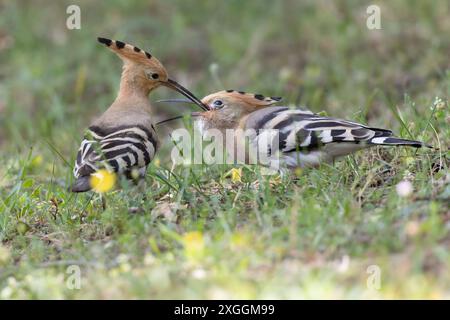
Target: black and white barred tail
{"x":386,"y":139}
{"x":119,"y":149}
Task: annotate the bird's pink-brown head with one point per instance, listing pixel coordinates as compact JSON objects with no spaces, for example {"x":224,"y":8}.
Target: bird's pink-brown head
{"x":142,"y":72}
{"x":227,"y":108}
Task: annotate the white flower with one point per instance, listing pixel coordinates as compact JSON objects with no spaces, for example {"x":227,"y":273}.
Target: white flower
{"x":199,"y":273}
{"x":404,"y":188}
{"x":6,"y":293}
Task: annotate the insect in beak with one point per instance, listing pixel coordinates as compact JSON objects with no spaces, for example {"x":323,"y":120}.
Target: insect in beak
{"x":178,"y":87}
{"x":193,"y":114}
{"x":175,"y":100}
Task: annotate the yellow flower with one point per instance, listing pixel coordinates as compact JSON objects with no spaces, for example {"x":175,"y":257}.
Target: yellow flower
{"x":235,"y":174}
{"x":102,"y":181}
{"x":194,"y":245}
{"x":37,"y":161}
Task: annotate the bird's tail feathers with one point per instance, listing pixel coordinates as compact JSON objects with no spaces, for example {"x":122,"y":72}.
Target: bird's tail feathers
{"x":386,"y":139}
{"x":82,"y":184}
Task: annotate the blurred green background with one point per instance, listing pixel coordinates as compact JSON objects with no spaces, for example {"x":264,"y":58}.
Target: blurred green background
{"x":320,"y":54}
{"x":316,"y":53}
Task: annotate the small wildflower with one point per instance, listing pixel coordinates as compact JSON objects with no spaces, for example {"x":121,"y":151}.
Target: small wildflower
{"x":37,"y":161}
{"x":404,"y":188}
{"x":439,"y":103}
{"x":199,"y":273}
{"x":194,"y":245}
{"x":103,"y":181}
{"x":236,"y":174}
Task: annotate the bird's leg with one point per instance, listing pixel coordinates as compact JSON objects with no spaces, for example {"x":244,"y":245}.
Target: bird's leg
{"x":141,"y":198}
{"x":142,"y":186}
{"x":103,"y":197}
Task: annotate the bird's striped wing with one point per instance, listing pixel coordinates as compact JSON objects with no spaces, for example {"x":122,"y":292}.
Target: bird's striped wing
{"x":307,"y":134}
{"x":119,"y":149}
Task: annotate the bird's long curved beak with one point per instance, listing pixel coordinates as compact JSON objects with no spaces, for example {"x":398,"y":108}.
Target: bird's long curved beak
{"x":179,"y":88}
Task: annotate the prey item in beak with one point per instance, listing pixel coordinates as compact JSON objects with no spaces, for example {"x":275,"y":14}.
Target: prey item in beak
{"x":193,"y":114}
{"x":178,"y":87}
{"x":181,"y":100}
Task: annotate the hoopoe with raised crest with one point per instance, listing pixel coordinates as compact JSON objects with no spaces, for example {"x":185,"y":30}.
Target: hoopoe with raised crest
{"x":123,"y":139}
{"x":304,"y":138}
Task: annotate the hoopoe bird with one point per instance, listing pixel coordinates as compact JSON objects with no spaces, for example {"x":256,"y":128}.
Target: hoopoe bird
{"x":303,"y":137}
{"x":123,"y":139}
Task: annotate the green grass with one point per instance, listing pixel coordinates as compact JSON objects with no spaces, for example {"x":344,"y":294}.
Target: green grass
{"x":197,"y":234}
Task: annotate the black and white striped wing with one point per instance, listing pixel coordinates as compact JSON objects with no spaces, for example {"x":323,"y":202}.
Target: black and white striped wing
{"x":311,"y":132}
{"x":316,"y":138}
{"x":117,"y":149}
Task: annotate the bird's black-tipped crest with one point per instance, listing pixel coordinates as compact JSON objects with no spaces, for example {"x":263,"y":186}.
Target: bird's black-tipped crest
{"x":105,"y":41}
{"x":120,"y":44}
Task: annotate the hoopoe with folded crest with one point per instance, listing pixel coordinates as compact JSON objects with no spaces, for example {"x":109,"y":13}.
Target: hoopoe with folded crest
{"x":303,"y":137}
{"x":123,"y":138}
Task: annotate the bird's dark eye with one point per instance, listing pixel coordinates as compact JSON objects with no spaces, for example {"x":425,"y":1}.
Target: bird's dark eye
{"x":155,"y":76}
{"x":218,"y":104}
